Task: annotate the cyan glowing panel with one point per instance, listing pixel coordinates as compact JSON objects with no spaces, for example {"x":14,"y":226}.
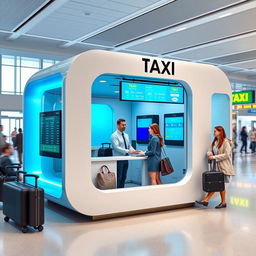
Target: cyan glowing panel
{"x":150,"y":92}
{"x":101,"y":124}
{"x":221,"y":112}
{"x":174,"y":128}
{"x":50,"y":180}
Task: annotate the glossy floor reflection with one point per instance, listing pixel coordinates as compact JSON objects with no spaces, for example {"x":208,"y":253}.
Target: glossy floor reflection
{"x":191,"y":231}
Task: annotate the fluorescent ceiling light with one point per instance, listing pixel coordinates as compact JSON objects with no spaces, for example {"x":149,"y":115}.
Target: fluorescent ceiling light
{"x":180,"y":29}
{"x":225,"y":15}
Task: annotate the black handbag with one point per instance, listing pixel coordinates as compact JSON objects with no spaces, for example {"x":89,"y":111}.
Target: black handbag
{"x":165,"y":164}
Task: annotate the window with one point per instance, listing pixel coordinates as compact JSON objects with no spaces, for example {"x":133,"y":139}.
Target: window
{"x":47,"y":63}
{"x":16,"y":70}
{"x":10,"y":120}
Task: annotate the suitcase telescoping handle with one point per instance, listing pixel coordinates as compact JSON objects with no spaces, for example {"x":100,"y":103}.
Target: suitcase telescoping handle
{"x":212,"y":165}
{"x":106,"y":143}
{"x":18,"y":176}
{"x":31,"y":175}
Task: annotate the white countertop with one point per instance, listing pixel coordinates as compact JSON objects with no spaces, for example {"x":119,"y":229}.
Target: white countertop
{"x":117,"y":158}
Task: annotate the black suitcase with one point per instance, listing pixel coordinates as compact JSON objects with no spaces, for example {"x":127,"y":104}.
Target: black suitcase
{"x":4,"y":178}
{"x":24,"y":204}
{"x":213,"y":181}
{"x":105,"y":151}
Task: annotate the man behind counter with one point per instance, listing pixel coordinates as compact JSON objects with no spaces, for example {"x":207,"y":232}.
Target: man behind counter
{"x":121,"y":147}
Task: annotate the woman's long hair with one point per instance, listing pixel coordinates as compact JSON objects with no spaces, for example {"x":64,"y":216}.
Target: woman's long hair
{"x":222,"y":136}
{"x":156,"y":131}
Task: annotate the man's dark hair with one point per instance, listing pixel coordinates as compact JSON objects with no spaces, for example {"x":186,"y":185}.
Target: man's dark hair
{"x":120,"y":120}
{"x":20,"y":130}
{"x":6,"y":147}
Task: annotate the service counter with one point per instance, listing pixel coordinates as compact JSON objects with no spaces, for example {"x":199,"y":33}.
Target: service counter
{"x":111,"y":163}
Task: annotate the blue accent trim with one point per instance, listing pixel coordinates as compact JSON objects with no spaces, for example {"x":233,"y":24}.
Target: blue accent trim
{"x":33,"y":105}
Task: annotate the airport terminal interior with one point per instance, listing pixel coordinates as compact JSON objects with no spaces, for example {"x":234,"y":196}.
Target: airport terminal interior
{"x":124,"y":117}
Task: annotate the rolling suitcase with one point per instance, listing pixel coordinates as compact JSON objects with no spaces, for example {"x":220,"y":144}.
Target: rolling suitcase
{"x":105,"y":151}
{"x":4,"y":178}
{"x":24,"y":203}
{"x":213,"y":180}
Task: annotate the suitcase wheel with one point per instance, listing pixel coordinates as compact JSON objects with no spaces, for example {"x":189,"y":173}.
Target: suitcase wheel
{"x":24,"y":229}
{"x":40,"y":228}
{"x":6,"y":218}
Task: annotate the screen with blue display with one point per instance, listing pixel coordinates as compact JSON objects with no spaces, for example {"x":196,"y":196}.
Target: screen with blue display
{"x":143,"y":123}
{"x":164,"y":93}
{"x":174,"y":129}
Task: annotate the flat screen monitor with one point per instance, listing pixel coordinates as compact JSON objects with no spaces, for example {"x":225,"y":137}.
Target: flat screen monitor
{"x":143,"y":123}
{"x":50,"y":134}
{"x":150,"y":92}
{"x":174,"y":129}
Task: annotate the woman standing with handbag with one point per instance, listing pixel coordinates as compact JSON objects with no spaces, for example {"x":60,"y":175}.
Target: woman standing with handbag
{"x":221,"y":151}
{"x":154,"y":154}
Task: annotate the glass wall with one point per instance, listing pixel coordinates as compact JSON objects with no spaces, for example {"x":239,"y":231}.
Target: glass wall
{"x":16,"y":70}
{"x":11,"y":120}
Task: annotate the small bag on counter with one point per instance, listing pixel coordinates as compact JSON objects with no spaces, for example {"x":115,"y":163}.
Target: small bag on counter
{"x":105,"y":179}
{"x":165,"y":164}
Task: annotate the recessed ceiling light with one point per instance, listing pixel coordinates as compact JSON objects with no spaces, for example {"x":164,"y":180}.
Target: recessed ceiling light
{"x":225,"y":15}
{"x":180,"y":29}
{"x":149,"y":39}
{"x":102,"y":81}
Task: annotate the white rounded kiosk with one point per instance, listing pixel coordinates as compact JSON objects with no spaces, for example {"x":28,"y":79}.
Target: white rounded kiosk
{"x":71,"y":107}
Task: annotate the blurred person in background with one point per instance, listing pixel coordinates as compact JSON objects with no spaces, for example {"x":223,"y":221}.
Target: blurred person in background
{"x":243,"y":138}
{"x":252,"y":135}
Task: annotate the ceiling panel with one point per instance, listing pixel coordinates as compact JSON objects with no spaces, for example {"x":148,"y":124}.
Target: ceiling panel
{"x":42,"y":45}
{"x":219,"y":49}
{"x":13,"y":12}
{"x":233,"y":58}
{"x":227,"y":68}
{"x":84,"y":16}
{"x":246,"y":64}
{"x":165,"y":16}
{"x":202,"y":34}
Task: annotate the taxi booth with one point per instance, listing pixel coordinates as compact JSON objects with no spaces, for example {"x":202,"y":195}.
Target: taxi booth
{"x":72,"y":107}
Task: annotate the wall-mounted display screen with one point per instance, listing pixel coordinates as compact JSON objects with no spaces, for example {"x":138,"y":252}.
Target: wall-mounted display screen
{"x":143,"y":123}
{"x":174,"y":129}
{"x":50,"y":134}
{"x":150,"y":92}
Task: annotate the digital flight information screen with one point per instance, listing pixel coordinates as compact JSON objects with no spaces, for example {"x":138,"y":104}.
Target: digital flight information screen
{"x":174,"y":129}
{"x":50,"y":134}
{"x":163,"y":93}
{"x":143,"y":123}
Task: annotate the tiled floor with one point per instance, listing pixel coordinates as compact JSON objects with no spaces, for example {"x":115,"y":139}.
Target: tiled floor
{"x":191,"y":231}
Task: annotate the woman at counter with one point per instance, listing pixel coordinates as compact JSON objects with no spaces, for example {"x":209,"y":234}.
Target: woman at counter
{"x":154,"y":154}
